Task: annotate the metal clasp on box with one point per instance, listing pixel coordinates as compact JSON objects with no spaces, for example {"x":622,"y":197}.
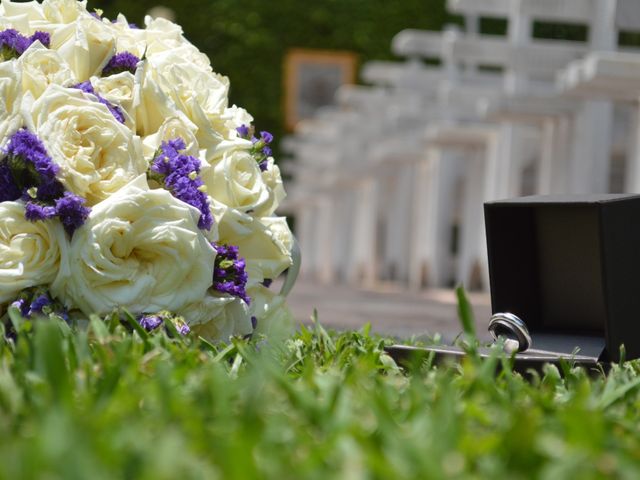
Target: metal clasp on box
{"x":512,"y":329}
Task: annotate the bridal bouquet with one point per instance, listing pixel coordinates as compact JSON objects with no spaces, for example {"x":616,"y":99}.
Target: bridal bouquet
{"x":126,"y":179}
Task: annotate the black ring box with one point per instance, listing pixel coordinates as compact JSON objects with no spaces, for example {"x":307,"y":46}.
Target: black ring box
{"x":569,"y":267}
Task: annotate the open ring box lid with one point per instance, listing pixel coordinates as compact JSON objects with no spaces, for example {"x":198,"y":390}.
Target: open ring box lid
{"x":569,"y":267}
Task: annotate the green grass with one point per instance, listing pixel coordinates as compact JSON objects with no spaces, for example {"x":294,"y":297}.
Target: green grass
{"x":106,"y":403}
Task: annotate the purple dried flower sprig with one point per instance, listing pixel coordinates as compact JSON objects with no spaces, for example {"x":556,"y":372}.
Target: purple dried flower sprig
{"x":37,"y":302}
{"x":151,"y":321}
{"x":229,"y":272}
{"x":260,"y":149}
{"x":180,"y":174}
{"x":28,"y":173}
{"x":13,"y":43}
{"x":115,"y":110}
{"x":121,"y":62}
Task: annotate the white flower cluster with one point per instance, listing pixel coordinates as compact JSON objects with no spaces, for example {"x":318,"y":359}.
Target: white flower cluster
{"x":140,"y":247}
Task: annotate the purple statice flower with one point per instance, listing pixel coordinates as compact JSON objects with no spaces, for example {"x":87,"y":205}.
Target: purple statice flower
{"x":183,"y":328}
{"x":12,"y":43}
{"x":29,"y":171}
{"x":121,"y":62}
{"x":229,"y":274}
{"x":8,"y":189}
{"x":150,"y":322}
{"x":43,"y":37}
{"x":37,"y":301}
{"x":27,"y":147}
{"x":71,"y":211}
{"x":35,"y":211}
{"x":115,"y":110}
{"x":23,"y":305}
{"x":243,"y":131}
{"x":180,"y":174}
{"x":27,"y":166}
{"x":266,"y":137}
{"x":260,"y":149}
{"x":38,"y":304}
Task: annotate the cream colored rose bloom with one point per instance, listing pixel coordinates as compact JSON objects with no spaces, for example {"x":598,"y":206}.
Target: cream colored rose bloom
{"x":265,"y":243}
{"x":152,"y":105}
{"x":97,"y":154}
{"x":119,"y":90}
{"x":23,"y":16}
{"x":63,"y":11}
{"x":140,"y":249}
{"x":86,"y":45}
{"x":132,"y":40}
{"x":270,"y":309}
{"x":30,"y":252}
{"x":234,"y":117}
{"x":176,"y":126}
{"x":162,"y":35}
{"x":196,"y":91}
{"x":217,"y":317}
{"x":10,"y":99}
{"x":273,"y":180}
{"x":236,"y":180}
{"x":42,"y":67}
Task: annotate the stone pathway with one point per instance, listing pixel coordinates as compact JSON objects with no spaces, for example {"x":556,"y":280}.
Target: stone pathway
{"x":390,"y":309}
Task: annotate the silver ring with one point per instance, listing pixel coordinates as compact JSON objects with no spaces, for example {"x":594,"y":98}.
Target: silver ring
{"x":512,"y":329}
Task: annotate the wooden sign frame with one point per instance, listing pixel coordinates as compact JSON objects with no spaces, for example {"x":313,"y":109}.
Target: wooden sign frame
{"x":311,"y":78}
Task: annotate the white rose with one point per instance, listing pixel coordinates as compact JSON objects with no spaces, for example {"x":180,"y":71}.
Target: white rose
{"x":265,"y":243}
{"x":218,"y":317}
{"x":196,"y":91}
{"x":10,"y":99}
{"x":97,"y":154}
{"x":163,"y":35}
{"x":236,"y":180}
{"x":234,"y":117}
{"x":270,"y":309}
{"x":30,"y":10}
{"x":42,"y":67}
{"x":132,"y":40}
{"x":152,"y":105}
{"x":117,"y":89}
{"x":140,"y":249}
{"x":63,"y":11}
{"x":21,"y":15}
{"x":176,"y":126}
{"x":30,"y":252}
{"x":272,"y":178}
{"x":86,"y":45}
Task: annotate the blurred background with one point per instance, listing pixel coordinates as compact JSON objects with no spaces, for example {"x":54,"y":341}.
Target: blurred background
{"x":395,"y":121}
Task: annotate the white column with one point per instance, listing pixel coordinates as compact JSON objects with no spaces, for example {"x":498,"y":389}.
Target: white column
{"x":343,"y":217}
{"x":435,"y":182}
{"x":472,"y":243}
{"x":324,"y":246}
{"x":633,"y":154}
{"x":305,"y":233}
{"x":399,"y":224}
{"x":363,"y":261}
{"x":590,"y":159}
{"x":547,"y":156}
{"x":503,"y":162}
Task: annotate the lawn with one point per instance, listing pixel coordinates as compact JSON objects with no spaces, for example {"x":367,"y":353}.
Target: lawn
{"x":102,"y":402}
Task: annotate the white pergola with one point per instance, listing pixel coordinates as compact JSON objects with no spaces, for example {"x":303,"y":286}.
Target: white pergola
{"x":388,"y":178}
